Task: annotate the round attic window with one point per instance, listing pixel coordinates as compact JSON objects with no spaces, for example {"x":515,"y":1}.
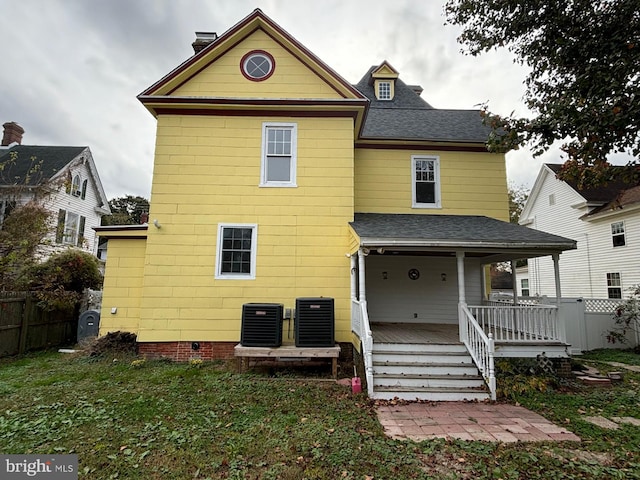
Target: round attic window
{"x":257,"y":65}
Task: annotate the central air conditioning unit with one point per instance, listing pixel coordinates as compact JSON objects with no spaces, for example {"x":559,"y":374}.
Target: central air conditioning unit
{"x":261,"y":325}
{"x":315,"y":322}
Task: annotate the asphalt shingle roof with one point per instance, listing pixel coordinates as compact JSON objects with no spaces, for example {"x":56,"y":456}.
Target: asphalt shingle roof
{"x":470,"y":230}
{"x":408,"y":116}
{"x":53,"y":160}
{"x":599,"y":194}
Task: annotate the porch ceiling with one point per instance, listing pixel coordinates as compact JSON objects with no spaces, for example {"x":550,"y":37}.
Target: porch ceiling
{"x":477,"y":236}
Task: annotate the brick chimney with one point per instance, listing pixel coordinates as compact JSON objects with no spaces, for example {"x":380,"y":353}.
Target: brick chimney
{"x":202,"y":40}
{"x":12,"y":134}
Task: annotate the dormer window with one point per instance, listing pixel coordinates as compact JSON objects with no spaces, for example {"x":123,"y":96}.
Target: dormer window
{"x":384,"y":90}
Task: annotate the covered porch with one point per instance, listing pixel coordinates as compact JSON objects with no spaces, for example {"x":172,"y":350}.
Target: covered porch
{"x":420,"y":281}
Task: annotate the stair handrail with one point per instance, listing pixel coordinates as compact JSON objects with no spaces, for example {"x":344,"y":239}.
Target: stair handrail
{"x":481,"y":347}
{"x":363,"y":329}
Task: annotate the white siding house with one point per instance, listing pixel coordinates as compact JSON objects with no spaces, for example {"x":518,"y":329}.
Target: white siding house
{"x":76,"y":198}
{"x":605,"y":223}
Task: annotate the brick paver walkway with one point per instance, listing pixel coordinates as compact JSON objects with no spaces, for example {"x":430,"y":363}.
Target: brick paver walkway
{"x":468,"y":421}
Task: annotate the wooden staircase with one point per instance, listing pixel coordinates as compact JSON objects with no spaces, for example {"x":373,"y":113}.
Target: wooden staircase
{"x":426,"y":371}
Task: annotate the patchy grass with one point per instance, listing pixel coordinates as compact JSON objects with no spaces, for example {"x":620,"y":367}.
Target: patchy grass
{"x":628,"y":356}
{"x":147,"y":420}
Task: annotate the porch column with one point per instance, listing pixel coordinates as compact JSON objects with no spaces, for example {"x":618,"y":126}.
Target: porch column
{"x":354,"y":266}
{"x":562,"y":328}
{"x":363,"y":291}
{"x":461,"y":295}
{"x":556,"y":271}
{"x":514,"y":282}
{"x":461,"y":290}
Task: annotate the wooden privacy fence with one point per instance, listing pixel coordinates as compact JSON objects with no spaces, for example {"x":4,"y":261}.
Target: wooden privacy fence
{"x":24,"y":326}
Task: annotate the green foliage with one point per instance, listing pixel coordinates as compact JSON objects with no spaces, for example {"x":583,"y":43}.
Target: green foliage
{"x":626,"y":317}
{"x":127,"y":210}
{"x":23,"y":231}
{"x":583,"y":83}
{"x":521,"y":377}
{"x":59,"y":281}
{"x":518,"y":196}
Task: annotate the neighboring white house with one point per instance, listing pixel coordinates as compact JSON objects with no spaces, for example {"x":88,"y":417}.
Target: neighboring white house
{"x":605,"y":223}
{"x":77,"y":199}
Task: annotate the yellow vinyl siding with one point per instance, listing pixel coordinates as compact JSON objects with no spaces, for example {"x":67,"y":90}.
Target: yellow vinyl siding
{"x":302,"y":233}
{"x":223,"y":78}
{"x":470,"y":183}
{"x":122,"y":285}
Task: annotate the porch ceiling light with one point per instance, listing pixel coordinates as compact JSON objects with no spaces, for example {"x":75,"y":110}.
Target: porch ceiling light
{"x":443,"y":276}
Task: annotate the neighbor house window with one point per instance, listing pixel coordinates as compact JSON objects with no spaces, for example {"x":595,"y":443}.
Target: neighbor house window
{"x":524,"y":287}
{"x":426,"y":181}
{"x":83,"y":194}
{"x":384,"y":90}
{"x":236,"y":256}
{"x":279,"y":155}
{"x":6,"y":207}
{"x":70,"y":229}
{"x":614,"y":285}
{"x":75,"y":186}
{"x":617,"y":234}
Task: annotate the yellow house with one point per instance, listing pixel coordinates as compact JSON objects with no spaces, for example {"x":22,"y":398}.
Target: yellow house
{"x":277,"y":181}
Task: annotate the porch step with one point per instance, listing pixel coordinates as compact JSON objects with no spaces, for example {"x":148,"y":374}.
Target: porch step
{"x":429,"y":393}
{"x":437,"y":372}
{"x":426,"y":380}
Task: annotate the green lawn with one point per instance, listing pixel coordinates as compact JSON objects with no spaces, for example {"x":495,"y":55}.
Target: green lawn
{"x":163,"y":420}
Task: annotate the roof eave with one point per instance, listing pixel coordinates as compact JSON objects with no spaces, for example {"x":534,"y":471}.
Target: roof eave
{"x":375,"y":242}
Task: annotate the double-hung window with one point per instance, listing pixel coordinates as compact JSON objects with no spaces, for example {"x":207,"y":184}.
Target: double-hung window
{"x":614,"y":285}
{"x":70,"y":229}
{"x":384,"y":90}
{"x":236,"y":256}
{"x":524,"y":287}
{"x":425,"y":171}
{"x":279,"y":143}
{"x":617,"y":234}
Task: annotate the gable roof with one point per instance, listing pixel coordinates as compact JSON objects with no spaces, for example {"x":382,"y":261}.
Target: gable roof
{"x":604,"y":198}
{"x":257,"y":20}
{"x":598,"y":194}
{"x":409,"y":117}
{"x":453,"y":231}
{"x":52,"y":161}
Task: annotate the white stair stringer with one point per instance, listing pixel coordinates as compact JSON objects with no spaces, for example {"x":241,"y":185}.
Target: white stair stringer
{"x":435,"y":372}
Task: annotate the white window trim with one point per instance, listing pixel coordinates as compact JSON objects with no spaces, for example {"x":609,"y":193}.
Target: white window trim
{"x":74,"y":231}
{"x":438,"y":202}
{"x":379,"y":92}
{"x":254,"y":250}
{"x":76,"y":186}
{"x":611,"y":281}
{"x":622,"y":234}
{"x":294,"y":149}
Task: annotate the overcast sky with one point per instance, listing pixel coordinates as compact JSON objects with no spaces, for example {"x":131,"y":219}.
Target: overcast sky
{"x":71,"y":69}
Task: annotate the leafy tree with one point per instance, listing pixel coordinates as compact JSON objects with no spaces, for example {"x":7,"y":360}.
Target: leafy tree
{"x":517,"y":198}
{"x":23,"y":231}
{"x":59,"y":281}
{"x":26,"y":222}
{"x":126,"y":210}
{"x":584,"y":85}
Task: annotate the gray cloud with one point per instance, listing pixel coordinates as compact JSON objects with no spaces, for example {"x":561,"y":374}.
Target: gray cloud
{"x":72,"y":68}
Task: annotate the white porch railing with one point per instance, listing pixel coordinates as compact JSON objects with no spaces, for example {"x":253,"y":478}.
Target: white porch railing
{"x":360,"y":326}
{"x":480,"y":345}
{"x":520,"y":323}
